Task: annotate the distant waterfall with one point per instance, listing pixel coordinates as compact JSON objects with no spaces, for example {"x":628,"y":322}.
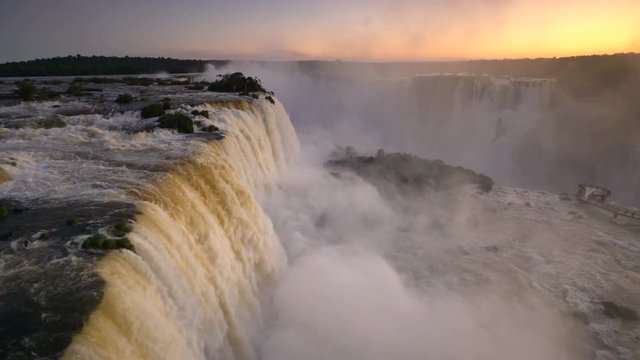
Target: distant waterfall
{"x":205,"y":250}
{"x":476,"y":120}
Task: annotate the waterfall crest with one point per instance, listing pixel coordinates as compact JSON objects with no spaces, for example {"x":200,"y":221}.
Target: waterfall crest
{"x":205,"y":250}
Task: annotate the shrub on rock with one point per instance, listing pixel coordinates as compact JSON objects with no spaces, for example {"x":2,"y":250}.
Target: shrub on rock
{"x":204,"y":113}
{"x":180,"y":122}
{"x":124,"y":99}
{"x":236,"y":82}
{"x":25,"y":90}
{"x":210,"y":128}
{"x":122,"y":228}
{"x":100,"y":242}
{"x":75,"y":90}
{"x":152,"y":110}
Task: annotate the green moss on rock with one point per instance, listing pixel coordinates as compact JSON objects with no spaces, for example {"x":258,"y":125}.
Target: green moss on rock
{"x":236,"y":82}
{"x":152,"y":110}
{"x":100,"y":242}
{"x":122,"y":228}
{"x":210,"y":128}
{"x":75,"y":90}
{"x":180,"y":122}
{"x":26,"y":90}
{"x":124,"y":99}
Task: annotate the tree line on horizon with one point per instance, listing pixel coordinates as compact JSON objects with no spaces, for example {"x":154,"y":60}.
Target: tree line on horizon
{"x":609,"y":66}
{"x":79,"y":65}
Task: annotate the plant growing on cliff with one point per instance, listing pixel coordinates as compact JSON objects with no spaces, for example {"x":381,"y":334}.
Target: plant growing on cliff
{"x":152,"y":110}
{"x":122,"y":228}
{"x":236,"y":82}
{"x":3,"y":212}
{"x":101,"y":242}
{"x":180,"y":122}
{"x":75,"y":90}
{"x":25,"y":90}
{"x":124,"y":99}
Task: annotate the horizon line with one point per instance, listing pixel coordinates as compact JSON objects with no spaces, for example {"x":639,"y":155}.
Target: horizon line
{"x":356,"y":61}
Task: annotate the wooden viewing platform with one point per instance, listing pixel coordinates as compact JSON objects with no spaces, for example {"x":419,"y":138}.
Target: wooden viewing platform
{"x":597,"y":196}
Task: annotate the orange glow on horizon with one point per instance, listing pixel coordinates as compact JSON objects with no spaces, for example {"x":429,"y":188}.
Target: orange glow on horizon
{"x":521,"y":30}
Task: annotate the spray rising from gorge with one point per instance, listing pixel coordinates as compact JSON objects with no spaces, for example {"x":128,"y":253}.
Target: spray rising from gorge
{"x":247,"y":247}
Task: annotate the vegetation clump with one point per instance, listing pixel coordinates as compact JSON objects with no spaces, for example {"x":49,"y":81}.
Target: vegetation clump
{"x":197,"y":86}
{"x":124,"y":99}
{"x":51,"y":122}
{"x":3,"y":212}
{"x":270,"y":99}
{"x":180,"y":122}
{"x":236,"y":82}
{"x":72,"y":221}
{"x":210,"y":128}
{"x":46,"y":93}
{"x":152,"y":110}
{"x":138,"y":81}
{"x":122,"y":228}
{"x":75,"y":90}
{"x":204,"y":113}
{"x":407,"y":172}
{"x":101,"y":242}
{"x":26,"y":90}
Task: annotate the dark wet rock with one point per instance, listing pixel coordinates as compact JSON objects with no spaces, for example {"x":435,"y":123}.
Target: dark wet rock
{"x":51,"y":122}
{"x":26,"y":90}
{"x":236,"y":82}
{"x":75,"y":90}
{"x":152,"y":110}
{"x":204,"y":113}
{"x":492,"y":248}
{"x":180,"y":122}
{"x":408,"y":172}
{"x":270,"y":99}
{"x":197,"y":86}
{"x":210,"y":128}
{"x":124,"y":99}
{"x":47,"y":94}
{"x":4,"y":213}
{"x":72,"y":221}
{"x":564,"y":197}
{"x":100,"y":242}
{"x":122,"y":228}
{"x":614,"y":311}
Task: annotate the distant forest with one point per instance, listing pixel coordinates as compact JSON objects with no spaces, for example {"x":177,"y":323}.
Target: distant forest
{"x":582,"y":73}
{"x":102,"y":65}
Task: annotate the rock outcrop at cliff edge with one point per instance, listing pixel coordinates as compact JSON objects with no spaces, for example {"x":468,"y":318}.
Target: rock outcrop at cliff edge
{"x":408,"y":172}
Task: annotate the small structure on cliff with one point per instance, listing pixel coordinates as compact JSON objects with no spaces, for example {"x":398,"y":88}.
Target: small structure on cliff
{"x":597,"y":196}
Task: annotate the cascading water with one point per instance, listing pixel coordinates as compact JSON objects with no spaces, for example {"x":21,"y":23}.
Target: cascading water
{"x":204,"y":251}
{"x":388,"y":255}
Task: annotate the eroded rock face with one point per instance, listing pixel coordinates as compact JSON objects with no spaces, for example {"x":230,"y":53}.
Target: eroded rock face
{"x":408,"y":172}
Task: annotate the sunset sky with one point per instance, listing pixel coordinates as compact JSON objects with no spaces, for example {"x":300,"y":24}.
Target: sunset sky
{"x":378,"y":30}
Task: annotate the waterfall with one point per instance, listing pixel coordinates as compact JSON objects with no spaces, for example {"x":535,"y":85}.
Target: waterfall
{"x":205,"y":250}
